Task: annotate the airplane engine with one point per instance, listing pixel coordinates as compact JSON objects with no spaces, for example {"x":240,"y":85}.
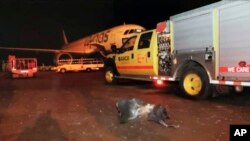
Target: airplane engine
{"x":63,"y":58}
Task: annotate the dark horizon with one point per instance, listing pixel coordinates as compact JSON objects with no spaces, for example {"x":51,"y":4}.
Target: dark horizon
{"x":39,"y":23}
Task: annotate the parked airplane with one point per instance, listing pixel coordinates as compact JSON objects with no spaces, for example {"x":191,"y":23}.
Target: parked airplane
{"x":98,"y":42}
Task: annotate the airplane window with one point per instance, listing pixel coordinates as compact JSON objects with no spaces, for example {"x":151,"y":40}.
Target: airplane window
{"x":126,"y":32}
{"x":144,"y":41}
{"x":131,"y":31}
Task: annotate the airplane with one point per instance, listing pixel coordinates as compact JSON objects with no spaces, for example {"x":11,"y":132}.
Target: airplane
{"x":99,"y":42}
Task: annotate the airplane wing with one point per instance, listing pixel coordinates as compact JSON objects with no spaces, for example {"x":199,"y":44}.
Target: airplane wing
{"x":101,"y":48}
{"x":42,"y":50}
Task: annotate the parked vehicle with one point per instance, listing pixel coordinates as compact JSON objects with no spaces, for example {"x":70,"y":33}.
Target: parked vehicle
{"x":77,"y":65}
{"x":206,"y":50}
{"x":21,"y":67}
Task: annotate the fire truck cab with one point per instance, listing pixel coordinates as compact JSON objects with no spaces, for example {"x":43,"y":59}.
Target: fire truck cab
{"x":134,"y":60}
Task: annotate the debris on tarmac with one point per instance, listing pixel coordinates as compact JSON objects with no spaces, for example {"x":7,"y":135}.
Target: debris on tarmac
{"x":130,"y":109}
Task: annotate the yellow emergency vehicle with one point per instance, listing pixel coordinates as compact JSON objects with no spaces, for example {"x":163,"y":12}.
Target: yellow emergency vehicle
{"x":205,"y":49}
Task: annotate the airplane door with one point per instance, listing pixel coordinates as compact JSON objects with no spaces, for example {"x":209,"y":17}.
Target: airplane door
{"x":145,"y":56}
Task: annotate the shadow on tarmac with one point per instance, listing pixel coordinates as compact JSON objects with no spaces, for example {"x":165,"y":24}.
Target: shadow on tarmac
{"x":6,"y":94}
{"x":46,"y":128}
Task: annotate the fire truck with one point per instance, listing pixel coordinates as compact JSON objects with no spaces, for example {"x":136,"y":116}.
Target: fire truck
{"x":21,"y":67}
{"x":205,"y":49}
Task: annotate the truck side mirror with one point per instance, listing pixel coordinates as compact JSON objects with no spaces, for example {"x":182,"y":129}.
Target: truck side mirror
{"x":113,"y":48}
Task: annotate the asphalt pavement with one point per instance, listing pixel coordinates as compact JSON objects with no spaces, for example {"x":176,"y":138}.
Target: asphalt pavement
{"x":80,"y":106}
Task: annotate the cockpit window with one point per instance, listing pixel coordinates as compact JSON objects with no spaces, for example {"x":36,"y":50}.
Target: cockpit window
{"x":131,"y":31}
{"x":139,"y":30}
{"x":126,"y":32}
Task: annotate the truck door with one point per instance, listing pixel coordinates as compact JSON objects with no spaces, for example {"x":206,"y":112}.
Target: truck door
{"x":145,"y":55}
{"x":125,"y":56}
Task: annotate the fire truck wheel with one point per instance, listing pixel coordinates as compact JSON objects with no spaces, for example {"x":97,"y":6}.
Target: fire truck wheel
{"x":194,"y":83}
{"x":109,"y":76}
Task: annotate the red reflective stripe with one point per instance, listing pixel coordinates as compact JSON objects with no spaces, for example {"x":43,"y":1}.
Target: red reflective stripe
{"x":135,"y":67}
{"x":223,"y":69}
{"x":222,"y":82}
{"x":236,"y":83}
{"x":236,"y":69}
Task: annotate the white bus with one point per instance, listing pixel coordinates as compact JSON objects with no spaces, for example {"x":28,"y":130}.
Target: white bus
{"x":77,"y":65}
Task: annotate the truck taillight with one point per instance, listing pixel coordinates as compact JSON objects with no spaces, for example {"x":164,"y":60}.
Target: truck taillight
{"x":159,"y":82}
{"x":154,"y":77}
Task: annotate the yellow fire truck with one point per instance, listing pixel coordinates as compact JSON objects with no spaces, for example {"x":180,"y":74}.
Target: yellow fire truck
{"x":21,"y":67}
{"x":206,"y":50}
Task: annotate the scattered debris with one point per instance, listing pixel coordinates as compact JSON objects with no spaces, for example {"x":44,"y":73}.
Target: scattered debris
{"x":130,"y":109}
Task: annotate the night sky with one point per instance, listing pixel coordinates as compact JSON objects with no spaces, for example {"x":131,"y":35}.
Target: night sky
{"x":39,"y":23}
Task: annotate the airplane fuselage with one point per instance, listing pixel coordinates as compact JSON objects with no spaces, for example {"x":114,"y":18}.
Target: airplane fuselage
{"x":98,"y":42}
{"x":113,"y":36}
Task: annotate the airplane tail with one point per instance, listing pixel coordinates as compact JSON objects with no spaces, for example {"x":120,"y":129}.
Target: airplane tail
{"x":65,"y":40}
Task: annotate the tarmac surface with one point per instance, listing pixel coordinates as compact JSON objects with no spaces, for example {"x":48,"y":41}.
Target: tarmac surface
{"x":79,"y":107}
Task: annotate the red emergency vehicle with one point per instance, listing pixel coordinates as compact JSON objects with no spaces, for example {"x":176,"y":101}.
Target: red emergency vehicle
{"x":21,"y":67}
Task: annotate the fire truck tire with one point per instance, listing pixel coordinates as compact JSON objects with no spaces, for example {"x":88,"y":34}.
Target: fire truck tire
{"x":194,"y":83}
{"x":109,"y":76}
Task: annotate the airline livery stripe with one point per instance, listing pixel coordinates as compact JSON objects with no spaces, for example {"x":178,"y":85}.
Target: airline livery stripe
{"x":135,"y":67}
